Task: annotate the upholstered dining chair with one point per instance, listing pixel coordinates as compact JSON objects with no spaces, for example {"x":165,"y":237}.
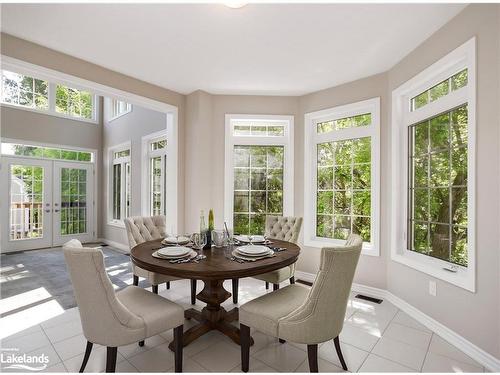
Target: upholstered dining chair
{"x":286,"y":228}
{"x":115,"y":319}
{"x":305,"y":316}
{"x":147,"y":228}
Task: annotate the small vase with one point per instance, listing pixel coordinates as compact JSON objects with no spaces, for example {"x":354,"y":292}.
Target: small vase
{"x":209,"y":240}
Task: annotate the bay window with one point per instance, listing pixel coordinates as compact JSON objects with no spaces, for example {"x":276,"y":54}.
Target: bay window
{"x":259,"y":170}
{"x":433,"y":154}
{"x":342,"y":175}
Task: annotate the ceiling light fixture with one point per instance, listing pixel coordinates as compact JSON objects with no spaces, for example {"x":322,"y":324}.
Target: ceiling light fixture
{"x":235,"y":4}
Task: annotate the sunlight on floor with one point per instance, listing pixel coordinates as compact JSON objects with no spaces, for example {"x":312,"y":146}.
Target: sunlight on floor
{"x":24,"y":299}
{"x":32,"y":316}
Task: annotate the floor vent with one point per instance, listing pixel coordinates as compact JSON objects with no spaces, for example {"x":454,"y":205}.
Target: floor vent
{"x":304,"y":282}
{"x":371,"y":299}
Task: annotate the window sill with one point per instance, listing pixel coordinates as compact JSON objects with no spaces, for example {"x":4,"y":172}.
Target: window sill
{"x":463,"y":278}
{"x":368,"y":248}
{"x":117,"y":224}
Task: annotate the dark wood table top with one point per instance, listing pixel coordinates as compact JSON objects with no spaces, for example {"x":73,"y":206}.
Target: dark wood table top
{"x":216,"y":266}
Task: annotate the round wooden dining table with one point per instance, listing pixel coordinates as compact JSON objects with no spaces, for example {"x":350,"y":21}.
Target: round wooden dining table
{"x":213,"y":270}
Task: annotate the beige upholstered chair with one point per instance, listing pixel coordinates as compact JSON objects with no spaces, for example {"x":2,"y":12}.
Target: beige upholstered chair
{"x":115,"y":319}
{"x":305,"y":316}
{"x":286,"y":229}
{"x":147,"y":228}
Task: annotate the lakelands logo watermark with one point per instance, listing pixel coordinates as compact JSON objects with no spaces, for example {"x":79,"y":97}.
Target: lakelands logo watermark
{"x":11,"y":359}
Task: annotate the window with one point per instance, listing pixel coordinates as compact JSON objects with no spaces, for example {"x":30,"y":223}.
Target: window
{"x":117,"y":108}
{"x":34,"y":93}
{"x":22,"y":90}
{"x":259,"y":170}
{"x":120,"y":188}
{"x":433,"y":149}
{"x":45,"y":152}
{"x":74,"y":102}
{"x":342,"y":175}
{"x":155,"y":164}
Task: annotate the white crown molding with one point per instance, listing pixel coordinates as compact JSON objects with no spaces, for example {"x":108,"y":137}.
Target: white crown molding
{"x":479,"y":355}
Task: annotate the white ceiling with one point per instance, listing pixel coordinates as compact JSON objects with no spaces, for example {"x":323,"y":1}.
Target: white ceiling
{"x":279,"y":49}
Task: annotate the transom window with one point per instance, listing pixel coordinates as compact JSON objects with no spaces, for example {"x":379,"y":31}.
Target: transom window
{"x":45,"y":152}
{"x":29,"y":92}
{"x":120,"y":186}
{"x":118,"y":108}
{"x":259,"y":170}
{"x":341,"y":186}
{"x":433,"y":163}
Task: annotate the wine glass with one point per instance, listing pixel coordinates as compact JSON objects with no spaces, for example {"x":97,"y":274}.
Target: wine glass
{"x":199,"y":240}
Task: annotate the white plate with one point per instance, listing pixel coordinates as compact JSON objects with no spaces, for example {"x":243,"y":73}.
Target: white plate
{"x":252,"y":258}
{"x":174,"y":251}
{"x":246,"y":239}
{"x":253,"y":250}
{"x":182,"y":240}
{"x":190,"y":255}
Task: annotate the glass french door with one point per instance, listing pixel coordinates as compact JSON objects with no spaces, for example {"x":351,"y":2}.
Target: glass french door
{"x":45,"y":203}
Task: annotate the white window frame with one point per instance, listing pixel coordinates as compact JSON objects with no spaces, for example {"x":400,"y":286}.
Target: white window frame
{"x":147,"y":155}
{"x":231,"y":140}
{"x":457,"y":60}
{"x":109,"y":109}
{"x":32,"y":71}
{"x":312,"y":138}
{"x":123,"y":184}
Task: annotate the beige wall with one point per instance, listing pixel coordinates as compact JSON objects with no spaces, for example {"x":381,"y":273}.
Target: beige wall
{"x":473,"y":315}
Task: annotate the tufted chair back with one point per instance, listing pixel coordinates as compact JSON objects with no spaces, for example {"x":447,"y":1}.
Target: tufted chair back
{"x":286,"y":228}
{"x":105,"y":320}
{"x":144,"y":228}
{"x":321,"y":317}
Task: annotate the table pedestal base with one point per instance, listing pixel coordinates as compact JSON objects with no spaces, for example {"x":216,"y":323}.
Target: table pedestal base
{"x":213,"y":316}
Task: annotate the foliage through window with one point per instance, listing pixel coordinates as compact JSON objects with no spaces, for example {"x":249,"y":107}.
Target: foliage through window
{"x":73,"y":201}
{"x":258,"y":186}
{"x":23,"y":90}
{"x":344,"y":123}
{"x":157,"y":157}
{"x":34,"y":93}
{"x":438,"y":186}
{"x":344,"y":188}
{"x":443,"y":88}
{"x":259,"y":128}
{"x":45,"y":152}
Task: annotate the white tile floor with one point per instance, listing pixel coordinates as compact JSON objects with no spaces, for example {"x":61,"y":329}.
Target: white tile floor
{"x":375,"y":338}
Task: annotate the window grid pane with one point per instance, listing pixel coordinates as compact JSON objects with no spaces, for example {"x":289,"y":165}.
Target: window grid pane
{"x":343,"y":199}
{"x":344,"y":123}
{"x":73,"y":201}
{"x":437,"y":221}
{"x":258,"y":186}
{"x":73,"y":102}
{"x":258,"y":128}
{"x":45,"y":152}
{"x":23,"y":90}
{"x":436,"y":92}
{"x":155,"y":185}
{"x":117,"y":191}
{"x":26,"y":202}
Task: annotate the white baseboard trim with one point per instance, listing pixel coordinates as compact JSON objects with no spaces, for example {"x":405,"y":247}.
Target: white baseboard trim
{"x":479,"y":355}
{"x":118,"y":246}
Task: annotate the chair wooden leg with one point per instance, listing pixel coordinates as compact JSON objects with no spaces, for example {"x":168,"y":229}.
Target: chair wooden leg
{"x":155,"y":289}
{"x":178,"y":345}
{"x":336,"y":341}
{"x":88,"y":349}
{"x":312,"y":354}
{"x":111,"y":359}
{"x":245,"y":347}
{"x":193,"y":291}
{"x":235,"y":291}
{"x":292,"y":280}
{"x":141,"y":343}
{"x":276,"y":287}
{"x":168,"y":284}
{"x":267,"y":285}
{"x":136,"y":280}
